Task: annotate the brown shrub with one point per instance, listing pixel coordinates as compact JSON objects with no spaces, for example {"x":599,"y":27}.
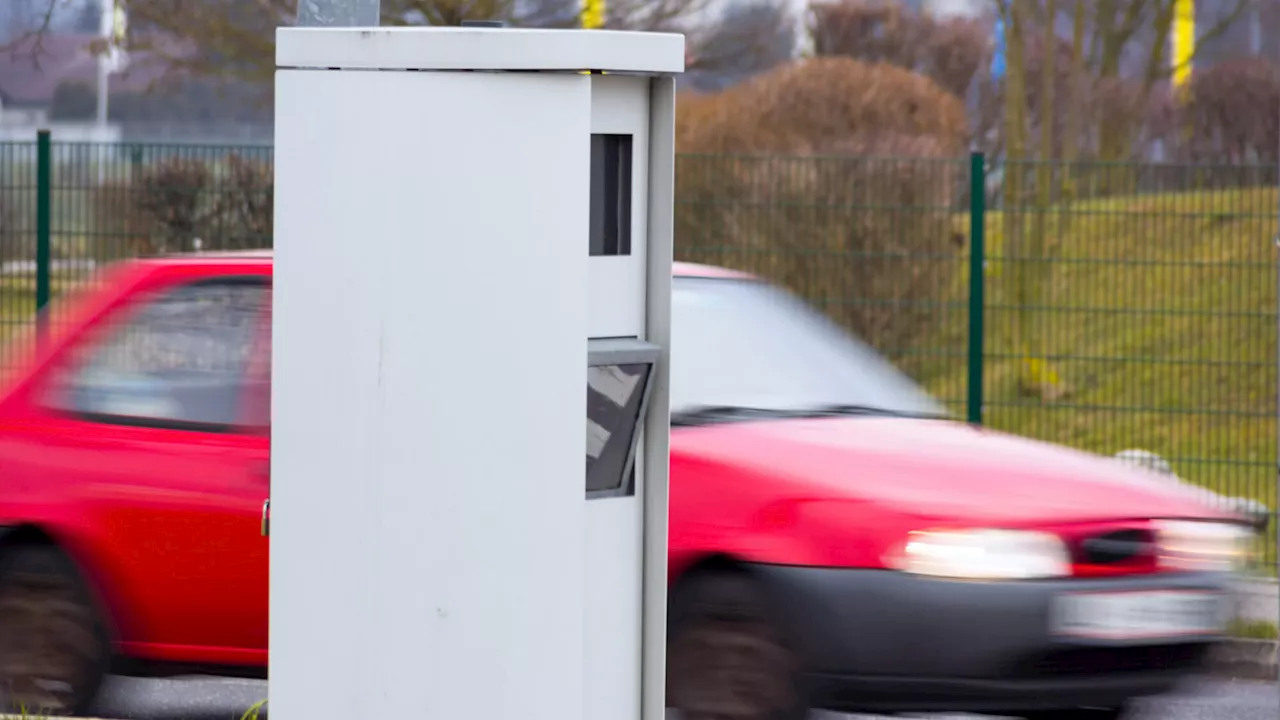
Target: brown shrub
{"x":16,"y":242}
{"x":814,"y":106}
{"x":243,"y":209}
{"x":1231,"y":116}
{"x":852,"y":210}
{"x":118,"y":228}
{"x":170,"y":196}
{"x":182,"y":204}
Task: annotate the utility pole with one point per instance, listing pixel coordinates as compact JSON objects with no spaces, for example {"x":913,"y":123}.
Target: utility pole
{"x":339,"y":13}
{"x":111,"y":29}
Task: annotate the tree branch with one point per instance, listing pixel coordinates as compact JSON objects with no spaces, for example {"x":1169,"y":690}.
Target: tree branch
{"x":30,"y":42}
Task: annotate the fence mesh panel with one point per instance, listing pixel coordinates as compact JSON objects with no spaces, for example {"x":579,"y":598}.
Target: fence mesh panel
{"x":1127,"y":307}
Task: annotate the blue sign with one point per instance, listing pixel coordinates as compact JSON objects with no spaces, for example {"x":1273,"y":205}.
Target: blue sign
{"x":998,"y":48}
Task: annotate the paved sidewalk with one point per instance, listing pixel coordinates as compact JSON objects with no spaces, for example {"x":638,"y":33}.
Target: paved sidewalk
{"x":211,"y":699}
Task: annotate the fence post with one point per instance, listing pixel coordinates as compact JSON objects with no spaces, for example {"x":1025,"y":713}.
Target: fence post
{"x":44,"y":224}
{"x":1275,"y":490}
{"x":977,"y":280}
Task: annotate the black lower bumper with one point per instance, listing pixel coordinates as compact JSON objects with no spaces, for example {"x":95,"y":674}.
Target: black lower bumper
{"x":886,"y":641}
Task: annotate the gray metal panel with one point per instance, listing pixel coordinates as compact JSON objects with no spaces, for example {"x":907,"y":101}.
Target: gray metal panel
{"x":657,"y":437}
{"x":626,"y":490}
{"x":339,"y":13}
{"x":480,"y":49}
{"x":626,"y":351}
{"x":621,"y":351}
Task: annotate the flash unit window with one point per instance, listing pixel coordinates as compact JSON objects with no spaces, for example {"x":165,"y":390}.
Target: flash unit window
{"x":610,"y":195}
{"x":619,"y":378}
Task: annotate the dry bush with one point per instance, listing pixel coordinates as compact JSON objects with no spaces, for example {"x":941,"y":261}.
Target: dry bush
{"x":16,"y":243}
{"x":182,"y":204}
{"x":1231,"y":116}
{"x":814,"y":106}
{"x":243,"y":210}
{"x":832,"y":177}
{"x":170,"y":196}
{"x":157,"y":211}
{"x":118,"y":228}
{"x":1225,"y":134}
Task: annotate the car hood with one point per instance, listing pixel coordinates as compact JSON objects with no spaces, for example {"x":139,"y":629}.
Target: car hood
{"x":942,"y":470}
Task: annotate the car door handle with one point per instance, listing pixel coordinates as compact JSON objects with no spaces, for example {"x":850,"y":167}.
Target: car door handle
{"x":266,"y":517}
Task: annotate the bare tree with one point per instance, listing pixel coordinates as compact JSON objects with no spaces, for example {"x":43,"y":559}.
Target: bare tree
{"x":1138,"y":31}
{"x":950,"y":52}
{"x":747,"y":39}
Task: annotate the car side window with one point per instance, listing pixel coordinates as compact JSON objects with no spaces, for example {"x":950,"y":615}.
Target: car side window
{"x":177,"y":359}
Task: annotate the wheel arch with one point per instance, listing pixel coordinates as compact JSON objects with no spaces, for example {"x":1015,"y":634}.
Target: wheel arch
{"x":721,"y":562}
{"x":707,"y":563}
{"x":716,"y":566}
{"x":33,"y":534}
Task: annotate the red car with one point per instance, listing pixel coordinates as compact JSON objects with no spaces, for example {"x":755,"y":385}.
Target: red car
{"x":836,"y":540}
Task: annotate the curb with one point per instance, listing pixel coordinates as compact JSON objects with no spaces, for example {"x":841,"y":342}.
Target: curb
{"x":1246,"y":659}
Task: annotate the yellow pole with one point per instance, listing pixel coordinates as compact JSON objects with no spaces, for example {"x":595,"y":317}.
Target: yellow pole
{"x":1184,"y":44}
{"x":593,"y":14}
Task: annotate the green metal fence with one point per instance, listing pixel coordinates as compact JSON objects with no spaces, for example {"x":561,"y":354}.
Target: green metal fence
{"x":1131,"y":307}
{"x":67,"y":209}
{"x":1106,"y":307}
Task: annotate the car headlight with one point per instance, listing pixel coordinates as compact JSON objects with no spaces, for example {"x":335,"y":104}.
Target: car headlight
{"x":984,"y":555}
{"x":1194,"y":546}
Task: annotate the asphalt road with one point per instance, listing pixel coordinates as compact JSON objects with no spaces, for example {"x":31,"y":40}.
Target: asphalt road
{"x":219,"y":699}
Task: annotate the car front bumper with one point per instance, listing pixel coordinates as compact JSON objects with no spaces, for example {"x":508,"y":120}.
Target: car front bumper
{"x":876,"y":640}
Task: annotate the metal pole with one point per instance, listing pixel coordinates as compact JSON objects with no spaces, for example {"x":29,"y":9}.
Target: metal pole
{"x":104,"y":94}
{"x":105,"y":26}
{"x":44,"y":228}
{"x":1275,"y":490}
{"x":977,"y":280}
{"x":339,"y":13}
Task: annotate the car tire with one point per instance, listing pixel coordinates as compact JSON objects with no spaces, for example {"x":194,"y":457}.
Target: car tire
{"x":54,"y":646}
{"x":1117,"y":713}
{"x":727,"y":657}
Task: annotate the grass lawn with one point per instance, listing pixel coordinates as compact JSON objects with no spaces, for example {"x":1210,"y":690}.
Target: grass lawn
{"x":1255,"y":630}
{"x":17,"y":316}
{"x":1147,"y":322}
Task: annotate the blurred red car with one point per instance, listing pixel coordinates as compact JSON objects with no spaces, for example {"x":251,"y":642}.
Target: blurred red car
{"x":835,"y":540}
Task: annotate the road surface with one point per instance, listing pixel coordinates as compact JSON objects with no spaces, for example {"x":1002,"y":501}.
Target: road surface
{"x":219,"y":699}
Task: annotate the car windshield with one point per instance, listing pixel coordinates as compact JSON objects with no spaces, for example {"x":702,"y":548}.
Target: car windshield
{"x":745,"y":345}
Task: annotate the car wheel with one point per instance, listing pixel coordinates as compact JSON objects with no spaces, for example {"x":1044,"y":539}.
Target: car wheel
{"x":726,"y":657}
{"x":1118,"y":713}
{"x":54,"y":648}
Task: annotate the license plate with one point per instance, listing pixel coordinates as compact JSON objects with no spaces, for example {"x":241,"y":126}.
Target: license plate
{"x":1139,"y":615}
